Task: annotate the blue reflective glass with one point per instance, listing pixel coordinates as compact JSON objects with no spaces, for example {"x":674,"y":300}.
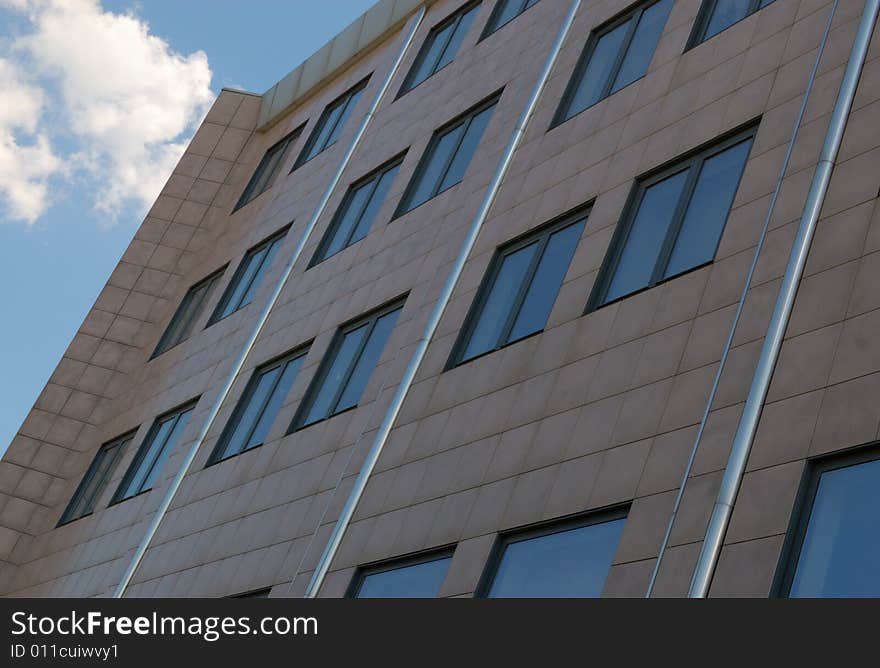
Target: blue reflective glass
{"x":367,"y":361}
{"x":429,"y":179}
{"x":499,"y":302}
{"x":571,"y":563}
{"x":725,"y":14}
{"x":841,"y":548}
{"x":598,"y":69}
{"x":466,"y":149}
{"x":643,"y":44}
{"x":371,"y":210}
{"x":166,"y":449}
{"x":646,"y":235}
{"x":323,"y":404}
{"x":457,"y":38}
{"x":417,"y":581}
{"x":708,"y":209}
{"x":249,"y":413}
{"x":545,"y":285}
{"x":273,"y":405}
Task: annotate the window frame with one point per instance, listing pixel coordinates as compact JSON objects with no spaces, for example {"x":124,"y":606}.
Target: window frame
{"x":364,"y":571}
{"x":805,"y":503}
{"x":343,"y":99}
{"x":540,"y":530}
{"x":142,"y":450}
{"x":633,"y":13}
{"x":217,"y":313}
{"x":454,"y":17}
{"x":247,"y":196}
{"x":243,"y":402}
{"x":691,"y":162}
{"x":329,"y":235}
{"x":119,"y":445}
{"x":305,"y":405}
{"x":464,"y":118}
{"x":704,"y":15}
{"x":180,"y":312}
{"x":491,"y":29}
{"x":541,"y":235}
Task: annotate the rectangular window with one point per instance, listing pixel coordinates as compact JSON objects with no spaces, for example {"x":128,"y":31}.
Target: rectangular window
{"x":247,"y":277}
{"x":674,"y":221}
{"x":346,"y":368}
{"x":259,"y":404}
{"x":615,"y":56}
{"x":718,"y":15}
{"x":416,"y":577}
{"x":184,"y":320}
{"x":560,"y":560}
{"x":834,"y":544}
{"x":265,"y":173}
{"x":504,"y":12}
{"x":358,"y":209}
{"x":440,"y":46}
{"x":95,"y":480}
{"x":519,"y":290}
{"x":147,"y":463}
{"x":447,"y":157}
{"x":331,"y":123}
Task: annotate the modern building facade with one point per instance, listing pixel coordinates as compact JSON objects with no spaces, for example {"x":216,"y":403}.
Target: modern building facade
{"x":443,"y":313}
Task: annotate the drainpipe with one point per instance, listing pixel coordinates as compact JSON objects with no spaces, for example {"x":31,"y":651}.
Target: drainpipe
{"x":739,"y":307}
{"x":748,"y":424}
{"x":264,"y":316}
{"x":418,"y":355}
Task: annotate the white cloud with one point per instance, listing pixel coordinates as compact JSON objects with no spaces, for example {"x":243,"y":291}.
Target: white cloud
{"x":121,"y":101}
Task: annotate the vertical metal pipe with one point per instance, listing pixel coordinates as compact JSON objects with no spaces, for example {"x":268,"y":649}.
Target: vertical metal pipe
{"x":740,"y":305}
{"x":748,"y":423}
{"x":418,"y":355}
{"x":159,"y":515}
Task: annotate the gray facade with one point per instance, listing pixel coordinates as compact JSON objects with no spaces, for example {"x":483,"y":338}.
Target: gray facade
{"x":595,"y":412}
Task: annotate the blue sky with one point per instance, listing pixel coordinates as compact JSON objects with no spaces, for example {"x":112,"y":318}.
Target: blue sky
{"x":73,"y":186}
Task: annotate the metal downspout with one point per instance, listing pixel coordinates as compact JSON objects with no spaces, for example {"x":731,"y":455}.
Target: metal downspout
{"x":748,"y":423}
{"x":740,"y":306}
{"x":418,"y":355}
{"x":264,"y":316}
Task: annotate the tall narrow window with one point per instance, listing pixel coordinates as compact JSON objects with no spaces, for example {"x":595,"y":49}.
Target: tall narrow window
{"x":95,"y":480}
{"x":568,"y":560}
{"x":718,"y":15}
{"x":147,"y":463}
{"x":835,"y":544}
{"x":358,"y":210}
{"x":256,"y":410}
{"x":416,"y":577}
{"x":440,"y":46}
{"x":518,"y":292}
{"x":347,"y":366}
{"x":675,"y":221}
{"x":504,"y":12}
{"x":247,"y":277}
{"x":184,"y":319}
{"x":447,"y":157}
{"x":331,"y":123}
{"x":267,"y":170}
{"x":615,"y":56}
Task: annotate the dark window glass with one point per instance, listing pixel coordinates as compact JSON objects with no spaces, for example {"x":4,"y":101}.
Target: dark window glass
{"x":614,"y":57}
{"x":256,"y":410}
{"x":675,"y":221}
{"x":95,"y":480}
{"x":346,"y":367}
{"x":356,"y":213}
{"x":184,"y":319}
{"x":419,"y":578}
{"x":257,"y":593}
{"x":504,"y":12}
{"x":520,"y":288}
{"x":718,"y":15}
{"x":331,"y":123}
{"x":440,"y":46}
{"x":562,"y":561}
{"x":447,"y":157}
{"x":147,"y":463}
{"x":837,"y":549}
{"x":247,"y":277}
{"x":266,"y":171}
